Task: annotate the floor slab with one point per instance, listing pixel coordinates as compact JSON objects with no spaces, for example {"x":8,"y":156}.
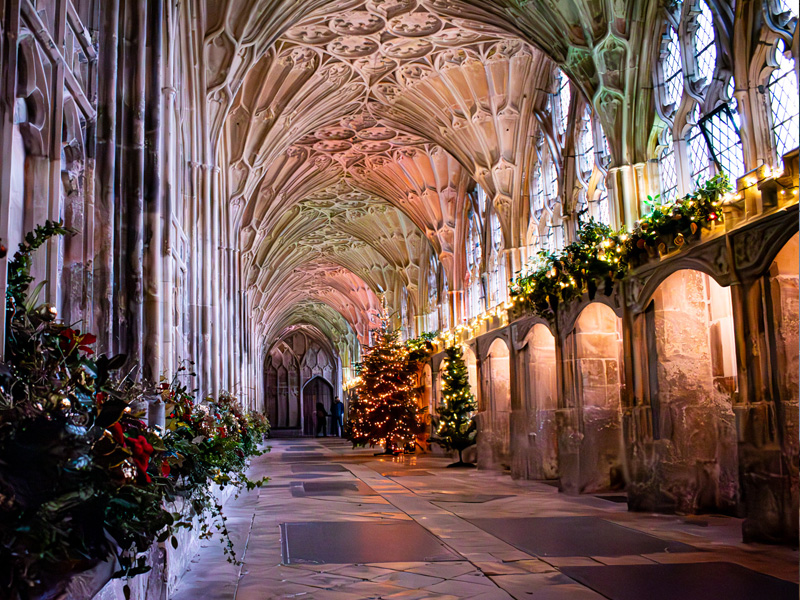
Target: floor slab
{"x":726,"y":581}
{"x":358,"y":542}
{"x":576,"y":536}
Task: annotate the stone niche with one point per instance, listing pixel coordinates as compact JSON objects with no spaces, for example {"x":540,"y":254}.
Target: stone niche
{"x":534,"y":436}
{"x":494,"y":408}
{"x":768,"y":431}
{"x":590,"y":449}
{"x":689,"y":462}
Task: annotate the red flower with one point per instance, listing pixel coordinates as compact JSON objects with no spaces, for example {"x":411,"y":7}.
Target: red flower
{"x":78,"y":340}
{"x":141,"y":450}
{"x":222,"y":433}
{"x":117,"y":433}
{"x":165,"y":469}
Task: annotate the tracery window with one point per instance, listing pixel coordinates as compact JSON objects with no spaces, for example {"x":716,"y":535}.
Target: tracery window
{"x":496,"y":262}
{"x":700,"y":135}
{"x":593,"y":160}
{"x":473,"y":286}
{"x":783,"y":104}
{"x":667,"y":168}
{"x":562,"y":97}
{"x":433,"y":294}
{"x":404,"y":324}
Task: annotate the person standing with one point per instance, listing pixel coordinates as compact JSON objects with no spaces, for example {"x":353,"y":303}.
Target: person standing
{"x":322,"y":416}
{"x":337,"y":412}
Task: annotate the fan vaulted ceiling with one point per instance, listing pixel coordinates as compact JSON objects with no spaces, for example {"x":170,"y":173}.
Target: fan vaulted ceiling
{"x":353,"y":131}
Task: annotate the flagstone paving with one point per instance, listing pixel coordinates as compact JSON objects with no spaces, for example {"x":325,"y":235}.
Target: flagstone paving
{"x":456,"y":556}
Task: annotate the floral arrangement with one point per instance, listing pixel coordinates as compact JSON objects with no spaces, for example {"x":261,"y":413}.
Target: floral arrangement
{"x":82,"y":476}
{"x":600,"y":255}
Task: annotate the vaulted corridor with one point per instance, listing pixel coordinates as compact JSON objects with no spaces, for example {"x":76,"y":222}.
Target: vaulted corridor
{"x":339,"y":524}
{"x":557,"y":241}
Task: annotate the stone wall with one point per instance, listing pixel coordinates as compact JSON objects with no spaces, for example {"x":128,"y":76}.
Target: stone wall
{"x":494,"y":414}
{"x":691,"y":465}
{"x":533,"y":423}
{"x":590,"y":444}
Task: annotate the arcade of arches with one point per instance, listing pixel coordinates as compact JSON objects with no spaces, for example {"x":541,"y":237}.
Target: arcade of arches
{"x":251,"y":180}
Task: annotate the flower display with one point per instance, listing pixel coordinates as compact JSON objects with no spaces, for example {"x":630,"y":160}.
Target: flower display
{"x":83,"y":479}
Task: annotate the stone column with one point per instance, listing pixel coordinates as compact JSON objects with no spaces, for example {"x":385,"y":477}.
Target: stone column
{"x":154,"y":214}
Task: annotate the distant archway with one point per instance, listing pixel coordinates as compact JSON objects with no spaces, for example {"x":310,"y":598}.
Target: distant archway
{"x":316,"y":390}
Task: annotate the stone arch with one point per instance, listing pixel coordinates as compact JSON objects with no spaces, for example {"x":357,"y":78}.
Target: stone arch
{"x":315,"y":390}
{"x":533,"y":425}
{"x":692,"y":383}
{"x":281,"y":388}
{"x":590,"y":443}
{"x":494,"y":406}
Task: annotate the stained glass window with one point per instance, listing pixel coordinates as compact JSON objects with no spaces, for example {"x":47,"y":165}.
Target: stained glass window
{"x":537,"y":193}
{"x":562,"y":101}
{"x":667,"y":168}
{"x":552,"y":179}
{"x":705,"y":49}
{"x":698,"y":155}
{"x":496,"y":262}
{"x":473,"y":251}
{"x":433,"y":294}
{"x":721,"y":130}
{"x":783,"y":100}
{"x":586,"y":144}
{"x":671,"y":66}
{"x":786,"y":6}
{"x":601,"y":204}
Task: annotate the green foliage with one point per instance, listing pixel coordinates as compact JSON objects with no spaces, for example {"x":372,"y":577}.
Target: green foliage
{"x":420,"y":348}
{"x":600,"y":256}
{"x":383,"y":407}
{"x":19,"y":267}
{"x":82,"y":477}
{"x":456,"y":428}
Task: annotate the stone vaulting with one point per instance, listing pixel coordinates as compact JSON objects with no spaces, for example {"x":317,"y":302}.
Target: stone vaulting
{"x":251,"y":182}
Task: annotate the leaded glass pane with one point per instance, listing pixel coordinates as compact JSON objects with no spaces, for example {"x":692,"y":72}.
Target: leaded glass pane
{"x":698,"y":155}
{"x":722,"y":134}
{"x":705,"y":50}
{"x":667,"y":168}
{"x":784,"y":104}
{"x":671,"y":66}
{"x":601,"y":205}
{"x":562,"y":101}
{"x":784,"y":6}
{"x":586,"y":144}
{"x":537,"y":195}
{"x":552,"y":180}
{"x":603,"y":150}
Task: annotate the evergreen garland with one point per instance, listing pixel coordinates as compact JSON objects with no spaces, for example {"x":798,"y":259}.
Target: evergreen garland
{"x":600,"y":256}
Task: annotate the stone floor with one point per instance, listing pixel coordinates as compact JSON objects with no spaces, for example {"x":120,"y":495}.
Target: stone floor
{"x":285,"y":530}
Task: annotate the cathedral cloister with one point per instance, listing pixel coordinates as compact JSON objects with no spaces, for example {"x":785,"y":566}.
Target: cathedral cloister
{"x":248,"y":189}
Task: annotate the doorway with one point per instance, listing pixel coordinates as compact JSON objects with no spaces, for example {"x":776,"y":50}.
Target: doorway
{"x":316,"y":390}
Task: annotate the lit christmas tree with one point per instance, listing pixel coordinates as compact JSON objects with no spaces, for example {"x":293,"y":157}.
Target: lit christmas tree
{"x":456,"y":427}
{"x":383,"y":410}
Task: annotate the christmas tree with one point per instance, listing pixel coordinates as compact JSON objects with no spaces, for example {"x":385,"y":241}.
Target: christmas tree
{"x":383,"y":410}
{"x":456,"y":428}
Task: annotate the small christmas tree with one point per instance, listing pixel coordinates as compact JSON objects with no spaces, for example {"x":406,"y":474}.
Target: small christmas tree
{"x":456,"y":428}
{"x":383,"y":411}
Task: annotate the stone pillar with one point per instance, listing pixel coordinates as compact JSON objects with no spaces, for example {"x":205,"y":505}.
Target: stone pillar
{"x":154,"y":217}
{"x":419,"y":325}
{"x":456,"y":304}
